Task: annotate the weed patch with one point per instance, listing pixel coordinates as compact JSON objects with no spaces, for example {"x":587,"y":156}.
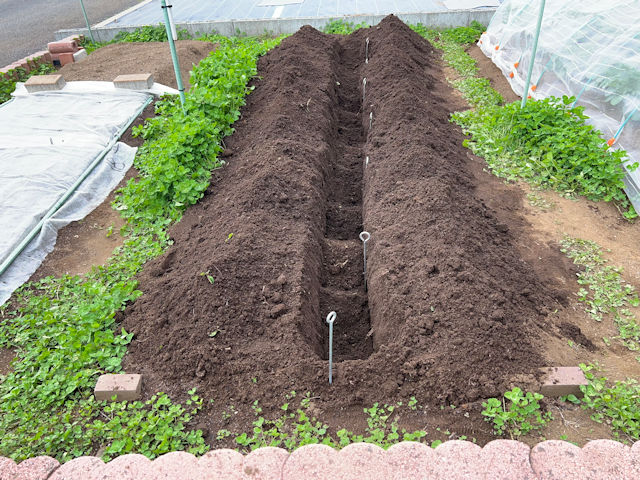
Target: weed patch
{"x":604,"y":291}
{"x":617,"y":404}
{"x":548,"y":144}
{"x":517,"y":413}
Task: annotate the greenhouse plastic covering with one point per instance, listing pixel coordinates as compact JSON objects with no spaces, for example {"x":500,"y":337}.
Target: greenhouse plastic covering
{"x":588,"y":49}
{"x":48,"y":140}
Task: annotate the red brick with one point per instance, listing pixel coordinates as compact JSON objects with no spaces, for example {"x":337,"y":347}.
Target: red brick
{"x":63,"y":47}
{"x":65,"y":58}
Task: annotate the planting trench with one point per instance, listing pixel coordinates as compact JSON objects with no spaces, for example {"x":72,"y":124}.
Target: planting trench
{"x":452,"y":313}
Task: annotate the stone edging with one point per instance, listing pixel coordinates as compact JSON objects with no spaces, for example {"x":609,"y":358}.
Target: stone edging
{"x":455,"y":459}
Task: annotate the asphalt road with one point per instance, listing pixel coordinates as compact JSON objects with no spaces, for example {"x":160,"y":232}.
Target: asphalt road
{"x":26,"y":26}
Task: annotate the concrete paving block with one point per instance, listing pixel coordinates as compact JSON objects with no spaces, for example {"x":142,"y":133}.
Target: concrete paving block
{"x":559,"y":381}
{"x":77,"y":469}
{"x":180,"y":465}
{"x":126,"y":386}
{"x":8,"y":468}
{"x":37,"y":468}
{"x":458,"y":460}
{"x":556,"y":459}
{"x":411,"y":460}
{"x":126,"y":467}
{"x":80,"y":55}
{"x":224,"y":463}
{"x":69,"y":46}
{"x":506,"y":459}
{"x":608,"y":459}
{"x":312,"y":462}
{"x":136,"y":81}
{"x":264,"y":464}
{"x":40,"y":83}
{"x":364,"y":461}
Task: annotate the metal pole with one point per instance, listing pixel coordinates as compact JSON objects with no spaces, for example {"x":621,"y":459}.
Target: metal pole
{"x":86,"y":19}
{"x":172,"y":46}
{"x":330,"y":319}
{"x":533,"y":55}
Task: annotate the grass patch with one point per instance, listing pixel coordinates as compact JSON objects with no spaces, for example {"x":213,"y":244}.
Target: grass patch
{"x":604,"y":291}
{"x":64,"y":330}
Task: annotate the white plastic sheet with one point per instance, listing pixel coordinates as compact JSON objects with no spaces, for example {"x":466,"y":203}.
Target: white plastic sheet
{"x":589,"y":49}
{"x":48,"y":141}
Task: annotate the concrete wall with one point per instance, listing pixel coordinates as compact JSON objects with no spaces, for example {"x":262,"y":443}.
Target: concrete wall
{"x":454,"y":18}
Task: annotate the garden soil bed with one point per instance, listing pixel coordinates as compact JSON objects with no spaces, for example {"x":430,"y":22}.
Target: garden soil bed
{"x":108,"y":62}
{"x":453,"y":314}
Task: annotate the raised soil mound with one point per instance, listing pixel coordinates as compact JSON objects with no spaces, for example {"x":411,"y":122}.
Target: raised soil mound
{"x":451,"y":314}
{"x":108,"y":62}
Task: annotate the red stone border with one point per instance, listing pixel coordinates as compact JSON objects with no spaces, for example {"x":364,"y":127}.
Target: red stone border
{"x":452,"y":460}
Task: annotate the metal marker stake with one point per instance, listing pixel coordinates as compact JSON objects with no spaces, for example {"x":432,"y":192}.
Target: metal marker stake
{"x":172,"y":47}
{"x":330,"y":319}
{"x":366,"y":51}
{"x":365,"y":236}
{"x":364,"y":87}
{"x":366,"y":161}
{"x":370,"y":120}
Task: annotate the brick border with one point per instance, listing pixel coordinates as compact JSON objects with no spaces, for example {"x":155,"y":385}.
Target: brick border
{"x":452,"y":460}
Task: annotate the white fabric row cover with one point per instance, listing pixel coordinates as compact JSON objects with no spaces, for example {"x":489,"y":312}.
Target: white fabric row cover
{"x":589,"y":49}
{"x":47,"y":142}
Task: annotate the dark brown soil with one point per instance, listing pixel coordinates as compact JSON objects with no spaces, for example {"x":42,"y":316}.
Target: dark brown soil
{"x":108,"y":62}
{"x":487,"y":69}
{"x":452,"y":312}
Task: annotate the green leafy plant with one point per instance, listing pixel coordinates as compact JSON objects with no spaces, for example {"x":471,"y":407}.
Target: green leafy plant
{"x":8,"y":80}
{"x":295,"y":428}
{"x":548,"y":144}
{"x":517,"y":413}
{"x":617,"y":404}
{"x":604,"y":291}
{"x":343,"y":27}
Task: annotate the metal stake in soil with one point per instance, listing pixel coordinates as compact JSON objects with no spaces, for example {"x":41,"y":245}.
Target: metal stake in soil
{"x":365,"y":236}
{"x":370,"y":120}
{"x":364,"y":87}
{"x":366,"y":51}
{"x":330,"y":319}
